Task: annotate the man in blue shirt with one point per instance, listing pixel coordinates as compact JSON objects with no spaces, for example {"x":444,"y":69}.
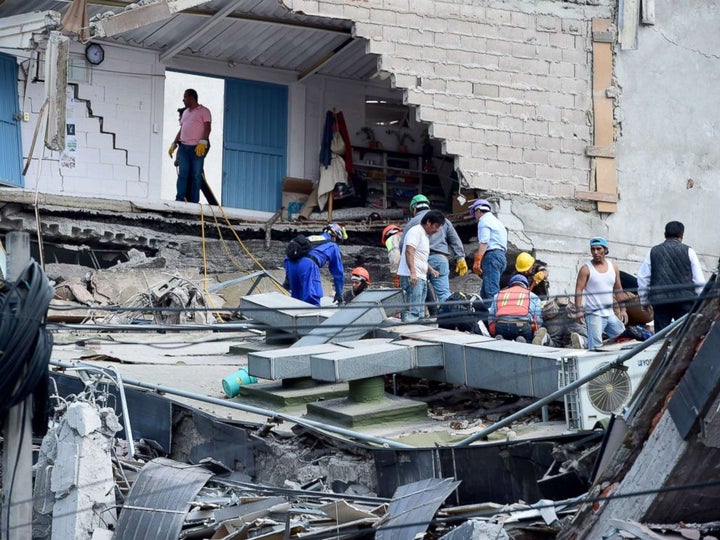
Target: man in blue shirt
{"x":303,"y":275}
{"x":490,"y":259}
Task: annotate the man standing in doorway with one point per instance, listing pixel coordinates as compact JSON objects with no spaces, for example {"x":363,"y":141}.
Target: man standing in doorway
{"x":670,"y":277}
{"x":490,"y":259}
{"x":596,"y":283}
{"x":414,"y":269}
{"x":192,"y":144}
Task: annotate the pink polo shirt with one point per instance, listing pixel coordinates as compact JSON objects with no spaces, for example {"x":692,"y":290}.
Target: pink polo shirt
{"x":192,"y":124}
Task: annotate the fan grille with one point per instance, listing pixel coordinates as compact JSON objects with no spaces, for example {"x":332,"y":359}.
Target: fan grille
{"x":609,"y":392}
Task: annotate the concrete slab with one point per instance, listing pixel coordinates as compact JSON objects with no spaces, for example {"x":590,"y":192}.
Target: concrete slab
{"x":283,"y":312}
{"x":289,"y":363}
{"x":355,"y":364}
{"x":388,"y":410}
{"x":423,"y":353}
{"x":348,"y":324}
{"x":276,"y":396}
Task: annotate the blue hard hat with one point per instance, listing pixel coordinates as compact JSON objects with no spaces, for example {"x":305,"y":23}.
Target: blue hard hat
{"x":518,"y":279}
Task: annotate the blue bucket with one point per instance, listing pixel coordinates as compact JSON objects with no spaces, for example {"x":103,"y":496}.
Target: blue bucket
{"x":231,"y":383}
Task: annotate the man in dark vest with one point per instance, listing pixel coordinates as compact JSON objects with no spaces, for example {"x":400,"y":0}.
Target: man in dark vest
{"x":670,"y":277}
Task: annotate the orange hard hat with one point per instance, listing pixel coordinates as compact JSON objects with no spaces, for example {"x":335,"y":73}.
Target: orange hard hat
{"x":389,"y":231}
{"x":361,"y":273}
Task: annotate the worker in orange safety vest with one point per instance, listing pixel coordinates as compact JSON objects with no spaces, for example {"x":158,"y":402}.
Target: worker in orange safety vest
{"x":515,"y":313}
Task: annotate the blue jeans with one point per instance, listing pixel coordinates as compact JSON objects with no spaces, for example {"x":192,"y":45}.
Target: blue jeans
{"x":493,"y":265}
{"x":441,"y":284}
{"x":414,"y":298}
{"x":597,"y":324}
{"x":190,"y":169}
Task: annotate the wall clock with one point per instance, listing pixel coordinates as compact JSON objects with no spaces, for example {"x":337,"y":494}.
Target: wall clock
{"x":94,"y":53}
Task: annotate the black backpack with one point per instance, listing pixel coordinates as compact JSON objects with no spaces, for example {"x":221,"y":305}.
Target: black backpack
{"x":300,"y":246}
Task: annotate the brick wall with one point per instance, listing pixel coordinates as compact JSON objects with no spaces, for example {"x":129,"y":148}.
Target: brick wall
{"x":120,"y":100}
{"x":508,"y":91}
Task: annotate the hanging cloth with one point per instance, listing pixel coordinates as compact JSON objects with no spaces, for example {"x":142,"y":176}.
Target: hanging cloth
{"x":333,"y":174}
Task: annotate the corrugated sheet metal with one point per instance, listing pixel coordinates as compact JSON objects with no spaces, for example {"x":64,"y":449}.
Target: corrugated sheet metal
{"x":258,"y":33}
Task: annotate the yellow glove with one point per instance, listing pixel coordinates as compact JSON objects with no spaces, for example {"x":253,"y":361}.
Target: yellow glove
{"x":539,"y":277}
{"x":172,"y":149}
{"x":461,"y":268}
{"x":201,"y":147}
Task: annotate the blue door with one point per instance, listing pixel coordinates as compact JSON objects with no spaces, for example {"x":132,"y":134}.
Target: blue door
{"x":10,"y":164}
{"x":255,"y":144}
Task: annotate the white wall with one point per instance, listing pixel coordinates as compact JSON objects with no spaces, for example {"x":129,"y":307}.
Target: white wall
{"x":668,"y":154}
{"x":118,"y":120}
{"x":211,"y":94}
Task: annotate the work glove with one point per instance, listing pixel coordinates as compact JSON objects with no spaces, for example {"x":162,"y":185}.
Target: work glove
{"x":396,"y":281}
{"x":338,"y":299}
{"x":477,"y":268}
{"x":461,"y":267}
{"x":201,"y":147}
{"x":539,"y":277}
{"x":172,"y":149}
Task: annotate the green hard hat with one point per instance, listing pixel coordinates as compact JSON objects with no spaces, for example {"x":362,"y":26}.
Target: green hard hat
{"x":417,"y":200}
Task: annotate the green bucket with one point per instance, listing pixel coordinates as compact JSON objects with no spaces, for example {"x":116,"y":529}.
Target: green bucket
{"x":231,"y":383}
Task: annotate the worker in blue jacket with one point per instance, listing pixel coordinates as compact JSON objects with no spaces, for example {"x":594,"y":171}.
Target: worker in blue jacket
{"x":303,"y":276}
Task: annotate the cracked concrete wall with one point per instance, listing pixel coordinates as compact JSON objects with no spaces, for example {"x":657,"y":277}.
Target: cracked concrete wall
{"x":507,"y":87}
{"x":668,"y":156}
{"x":110,"y":105}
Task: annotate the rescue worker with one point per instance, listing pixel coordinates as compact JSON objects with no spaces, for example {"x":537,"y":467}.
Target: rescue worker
{"x":392,"y":240}
{"x":303,"y":275}
{"x":414,"y":268}
{"x":490,"y":259}
{"x":359,"y":281}
{"x":515,"y":312}
{"x":670,"y":277}
{"x":535,"y":272}
{"x":444,"y":245}
{"x":597,"y":282}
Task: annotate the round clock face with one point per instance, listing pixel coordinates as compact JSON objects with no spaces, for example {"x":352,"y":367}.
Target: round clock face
{"x":94,"y":53}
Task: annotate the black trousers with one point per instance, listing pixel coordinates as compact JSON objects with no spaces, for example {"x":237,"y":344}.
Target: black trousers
{"x":667,"y":313}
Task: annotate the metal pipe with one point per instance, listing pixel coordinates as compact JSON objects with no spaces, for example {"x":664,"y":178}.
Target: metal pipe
{"x":572,"y":386}
{"x":123,"y":403}
{"x":248,"y":408}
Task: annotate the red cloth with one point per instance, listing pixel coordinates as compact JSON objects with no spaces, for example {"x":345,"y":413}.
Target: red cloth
{"x":349,"y":167}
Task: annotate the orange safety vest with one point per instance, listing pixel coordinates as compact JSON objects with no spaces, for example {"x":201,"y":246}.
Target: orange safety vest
{"x":513,"y":302}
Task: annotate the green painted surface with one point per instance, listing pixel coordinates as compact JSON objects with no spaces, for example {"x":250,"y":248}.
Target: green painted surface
{"x":367,"y":390}
{"x":348,"y":413}
{"x":275,"y":396}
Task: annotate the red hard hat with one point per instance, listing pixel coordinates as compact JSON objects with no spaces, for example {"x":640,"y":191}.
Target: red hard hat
{"x":361,"y":272}
{"x":389,"y":231}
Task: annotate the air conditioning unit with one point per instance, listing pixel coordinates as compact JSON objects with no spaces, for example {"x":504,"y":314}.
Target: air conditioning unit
{"x":607,"y":394}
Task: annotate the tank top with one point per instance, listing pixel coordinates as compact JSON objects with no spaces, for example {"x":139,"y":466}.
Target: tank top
{"x":599,"y":290}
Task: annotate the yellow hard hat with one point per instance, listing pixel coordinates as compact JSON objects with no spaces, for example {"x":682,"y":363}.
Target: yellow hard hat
{"x":524,"y":262}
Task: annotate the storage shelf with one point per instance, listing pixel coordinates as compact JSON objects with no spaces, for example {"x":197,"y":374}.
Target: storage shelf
{"x":395,"y":177}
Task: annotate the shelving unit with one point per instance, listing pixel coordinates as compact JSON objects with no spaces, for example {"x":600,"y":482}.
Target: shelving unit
{"x":393,"y":178}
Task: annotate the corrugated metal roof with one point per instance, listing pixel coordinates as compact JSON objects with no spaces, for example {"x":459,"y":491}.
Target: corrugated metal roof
{"x":259,"y":33}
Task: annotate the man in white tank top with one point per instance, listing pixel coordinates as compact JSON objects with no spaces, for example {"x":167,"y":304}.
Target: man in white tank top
{"x":597,"y":282}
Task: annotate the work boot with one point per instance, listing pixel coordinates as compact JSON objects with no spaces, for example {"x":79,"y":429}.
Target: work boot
{"x":577,"y":341}
{"x":541,"y":337}
{"x":520,"y":339}
{"x":499,"y":336}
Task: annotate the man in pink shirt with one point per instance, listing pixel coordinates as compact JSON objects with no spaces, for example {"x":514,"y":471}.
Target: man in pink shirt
{"x":192,"y":145}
